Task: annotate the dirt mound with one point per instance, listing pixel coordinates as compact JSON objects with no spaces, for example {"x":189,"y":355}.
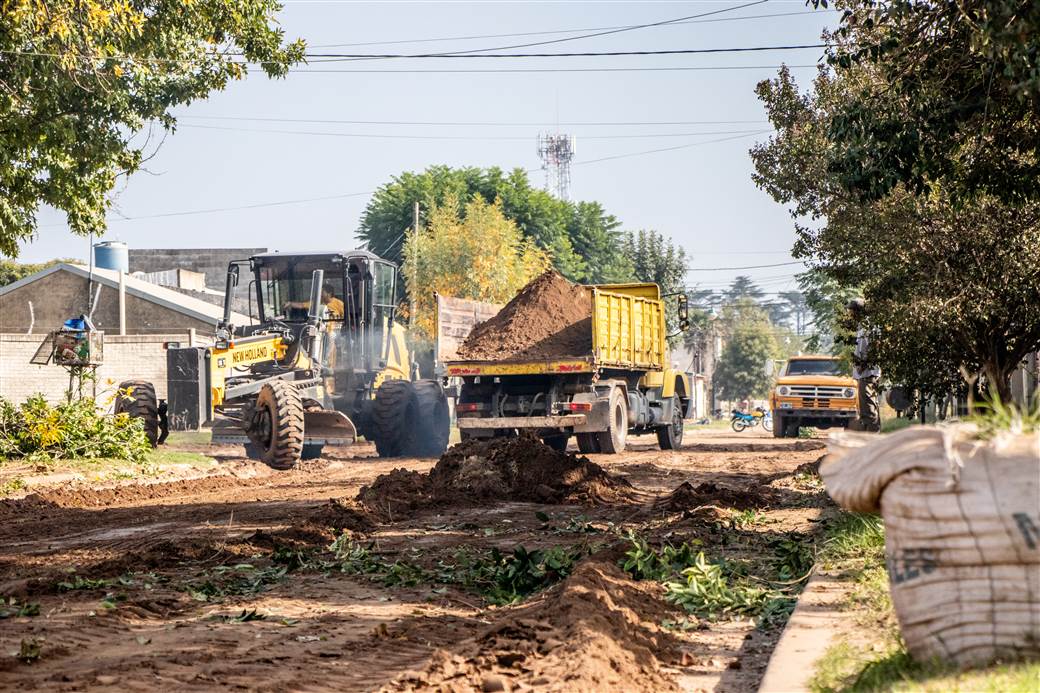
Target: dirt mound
{"x":810,"y":468}
{"x":597,"y":631}
{"x":549,"y":318}
{"x":514,"y":469}
{"x":339,"y":515}
{"x":687,"y":496}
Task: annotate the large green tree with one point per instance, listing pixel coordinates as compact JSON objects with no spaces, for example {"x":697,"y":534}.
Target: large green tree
{"x":750,"y":345}
{"x":951,"y":283}
{"x":952,"y":100}
{"x":80,"y":80}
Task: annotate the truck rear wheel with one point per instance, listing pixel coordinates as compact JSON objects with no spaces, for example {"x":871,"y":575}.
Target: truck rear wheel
{"x":142,"y":404}
{"x":558,"y":441}
{"x":670,"y":437}
{"x":588,"y":443}
{"x":612,"y":441}
{"x":275,"y":424}
{"x":395,"y":418}
{"x":434,"y":423}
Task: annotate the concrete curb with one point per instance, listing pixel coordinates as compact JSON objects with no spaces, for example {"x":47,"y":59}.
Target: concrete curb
{"x":816,"y":621}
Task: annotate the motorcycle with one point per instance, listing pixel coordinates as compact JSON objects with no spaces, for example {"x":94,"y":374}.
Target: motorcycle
{"x":740,"y":421}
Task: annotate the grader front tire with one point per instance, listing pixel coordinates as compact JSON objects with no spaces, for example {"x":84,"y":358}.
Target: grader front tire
{"x":277,"y":425}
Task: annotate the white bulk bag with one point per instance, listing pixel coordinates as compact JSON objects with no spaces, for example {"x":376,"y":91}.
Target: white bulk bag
{"x":962,"y":534}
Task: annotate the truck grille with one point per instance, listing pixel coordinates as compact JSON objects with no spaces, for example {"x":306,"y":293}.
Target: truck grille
{"x":814,"y":392}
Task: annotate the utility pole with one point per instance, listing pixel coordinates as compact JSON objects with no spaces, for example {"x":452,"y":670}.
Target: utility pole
{"x":415,"y":258}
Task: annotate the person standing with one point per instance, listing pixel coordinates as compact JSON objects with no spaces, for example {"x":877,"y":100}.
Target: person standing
{"x":866,"y":373}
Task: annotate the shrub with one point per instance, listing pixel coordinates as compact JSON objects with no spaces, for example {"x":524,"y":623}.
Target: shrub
{"x":37,"y":430}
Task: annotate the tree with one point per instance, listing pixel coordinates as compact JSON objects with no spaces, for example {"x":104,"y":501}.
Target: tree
{"x":597,"y":240}
{"x":750,"y":345}
{"x":952,"y":102}
{"x":743,"y":287}
{"x":79,"y":79}
{"x":537,"y":214}
{"x":467,"y":251}
{"x":11,"y":271}
{"x":797,"y":310}
{"x":950,"y":283}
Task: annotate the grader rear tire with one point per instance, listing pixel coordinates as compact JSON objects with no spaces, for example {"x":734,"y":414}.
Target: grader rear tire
{"x":434,"y":424}
{"x":142,"y":404}
{"x":277,"y":425}
{"x":395,"y":418}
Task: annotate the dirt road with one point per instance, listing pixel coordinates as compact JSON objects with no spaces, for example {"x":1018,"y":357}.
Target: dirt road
{"x":219,"y":580}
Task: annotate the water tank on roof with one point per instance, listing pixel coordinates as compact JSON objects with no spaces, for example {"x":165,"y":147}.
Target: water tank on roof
{"x":112,"y":255}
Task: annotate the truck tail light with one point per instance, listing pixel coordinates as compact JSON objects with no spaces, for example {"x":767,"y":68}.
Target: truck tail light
{"x":469,"y":406}
{"x":578,"y":406}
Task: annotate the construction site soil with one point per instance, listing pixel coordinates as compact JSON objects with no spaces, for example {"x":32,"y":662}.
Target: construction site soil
{"x":228,"y":579}
{"x":549,"y":318}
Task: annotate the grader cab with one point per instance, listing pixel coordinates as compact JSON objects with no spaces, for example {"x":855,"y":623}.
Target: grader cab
{"x":322,"y":362}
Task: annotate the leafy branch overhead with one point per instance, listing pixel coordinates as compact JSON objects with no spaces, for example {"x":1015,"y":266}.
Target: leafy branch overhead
{"x":83,"y":82}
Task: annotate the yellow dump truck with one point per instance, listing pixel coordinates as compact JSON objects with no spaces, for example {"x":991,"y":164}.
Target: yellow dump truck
{"x":625,"y":384}
{"x":812,"y":390}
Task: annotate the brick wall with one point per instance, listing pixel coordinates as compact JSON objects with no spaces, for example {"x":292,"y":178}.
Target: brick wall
{"x":131,"y":357}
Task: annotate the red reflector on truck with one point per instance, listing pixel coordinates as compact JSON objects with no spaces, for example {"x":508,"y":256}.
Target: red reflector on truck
{"x":579,"y":406}
{"x":468,"y":406}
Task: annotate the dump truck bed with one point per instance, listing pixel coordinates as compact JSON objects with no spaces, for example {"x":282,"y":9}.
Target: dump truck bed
{"x":628,"y":333}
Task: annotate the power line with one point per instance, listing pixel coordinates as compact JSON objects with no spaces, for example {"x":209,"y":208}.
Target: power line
{"x":729,"y":269}
{"x":709,"y":68}
{"x":232,"y":209}
{"x":364,"y":135}
{"x":668,"y":149}
{"x":472,"y":123}
{"x":605,"y":32}
{"x":570,"y":31}
{"x":334,"y":57}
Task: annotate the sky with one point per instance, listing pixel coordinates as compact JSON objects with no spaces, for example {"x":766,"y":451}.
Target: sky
{"x":244,"y":151}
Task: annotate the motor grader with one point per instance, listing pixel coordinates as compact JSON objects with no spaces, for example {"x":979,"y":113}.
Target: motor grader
{"x":323,"y":362}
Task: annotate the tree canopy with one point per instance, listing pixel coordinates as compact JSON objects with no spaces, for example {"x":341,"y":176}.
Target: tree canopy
{"x":750,"y":345}
{"x":951,"y":103}
{"x":950,"y":282}
{"x":467,"y":251}
{"x":584,"y":241}
{"x":80,"y":79}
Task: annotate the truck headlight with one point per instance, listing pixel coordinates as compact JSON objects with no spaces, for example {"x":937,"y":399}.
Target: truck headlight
{"x":783,"y":390}
{"x":849,"y":393}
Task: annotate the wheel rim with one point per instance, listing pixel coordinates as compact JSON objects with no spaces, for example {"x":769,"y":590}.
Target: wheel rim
{"x":677,"y":425}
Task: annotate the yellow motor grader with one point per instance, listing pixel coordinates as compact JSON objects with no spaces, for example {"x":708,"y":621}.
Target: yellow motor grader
{"x":324,"y":362}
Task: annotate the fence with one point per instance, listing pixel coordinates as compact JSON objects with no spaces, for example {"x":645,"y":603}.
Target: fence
{"x":130,"y":357}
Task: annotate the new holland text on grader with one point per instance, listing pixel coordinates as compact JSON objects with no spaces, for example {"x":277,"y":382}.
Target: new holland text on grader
{"x":324,"y":362}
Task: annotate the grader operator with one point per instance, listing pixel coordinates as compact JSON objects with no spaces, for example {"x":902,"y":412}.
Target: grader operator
{"x":322,"y":362}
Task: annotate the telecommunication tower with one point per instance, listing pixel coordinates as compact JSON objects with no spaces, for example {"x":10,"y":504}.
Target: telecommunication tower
{"x":556,"y":152}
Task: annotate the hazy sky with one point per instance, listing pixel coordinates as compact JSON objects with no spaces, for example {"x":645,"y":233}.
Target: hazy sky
{"x":700,"y":195}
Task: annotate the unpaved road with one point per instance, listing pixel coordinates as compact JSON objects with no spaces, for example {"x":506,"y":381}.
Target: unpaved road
{"x":124,"y":577}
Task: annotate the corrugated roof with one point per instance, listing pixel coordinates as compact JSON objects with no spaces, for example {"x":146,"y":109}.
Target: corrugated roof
{"x":168,"y":298}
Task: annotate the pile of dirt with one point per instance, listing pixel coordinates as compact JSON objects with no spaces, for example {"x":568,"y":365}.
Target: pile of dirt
{"x":688,"y":497}
{"x":549,"y":318}
{"x":514,"y":469}
{"x":596,"y":631}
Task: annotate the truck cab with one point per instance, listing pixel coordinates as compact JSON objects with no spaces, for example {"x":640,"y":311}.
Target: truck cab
{"x":812,"y":390}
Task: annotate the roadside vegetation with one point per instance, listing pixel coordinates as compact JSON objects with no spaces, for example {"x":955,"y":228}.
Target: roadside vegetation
{"x":872,"y":656}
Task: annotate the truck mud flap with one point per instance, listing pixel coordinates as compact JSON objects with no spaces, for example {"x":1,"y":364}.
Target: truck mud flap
{"x":323,"y":427}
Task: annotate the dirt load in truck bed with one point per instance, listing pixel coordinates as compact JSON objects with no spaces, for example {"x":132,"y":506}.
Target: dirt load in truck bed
{"x":550,"y":318}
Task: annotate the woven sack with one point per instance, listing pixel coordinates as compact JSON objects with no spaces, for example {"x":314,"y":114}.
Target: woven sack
{"x":962,"y":535}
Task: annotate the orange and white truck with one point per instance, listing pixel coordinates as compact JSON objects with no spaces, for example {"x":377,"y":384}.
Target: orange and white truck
{"x":812,"y":390}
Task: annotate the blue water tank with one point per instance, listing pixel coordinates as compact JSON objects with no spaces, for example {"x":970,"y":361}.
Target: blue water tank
{"x":112,"y":255}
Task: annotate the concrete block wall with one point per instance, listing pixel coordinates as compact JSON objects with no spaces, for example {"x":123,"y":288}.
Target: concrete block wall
{"x":131,"y":357}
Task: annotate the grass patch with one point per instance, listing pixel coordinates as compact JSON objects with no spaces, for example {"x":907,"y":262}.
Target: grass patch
{"x":893,"y":425}
{"x":855,"y":546}
{"x":161,"y":457}
{"x":9,"y":486}
{"x":177,"y":438}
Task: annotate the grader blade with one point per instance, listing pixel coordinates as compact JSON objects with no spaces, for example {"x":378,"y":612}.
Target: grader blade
{"x":328,"y":427}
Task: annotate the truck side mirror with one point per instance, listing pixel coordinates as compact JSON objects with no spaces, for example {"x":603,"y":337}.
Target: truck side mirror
{"x":683,"y":309}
